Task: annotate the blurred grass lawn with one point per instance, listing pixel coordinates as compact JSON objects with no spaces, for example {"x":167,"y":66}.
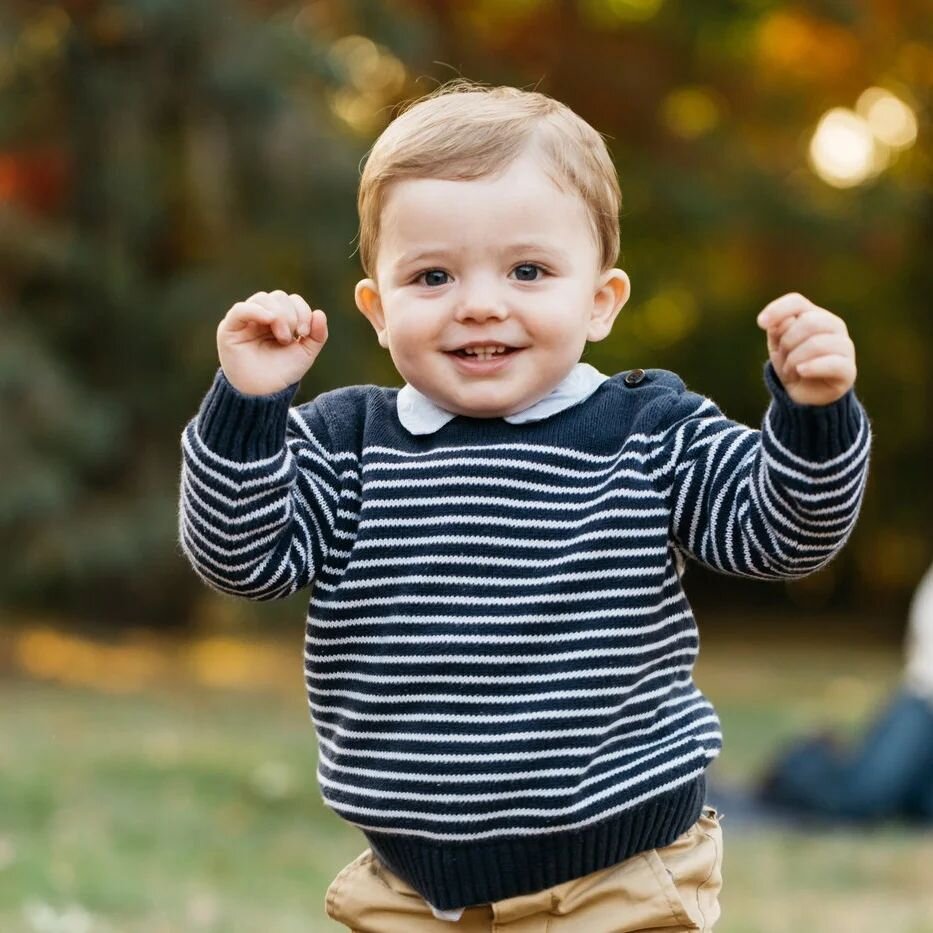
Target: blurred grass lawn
{"x":193,"y":808}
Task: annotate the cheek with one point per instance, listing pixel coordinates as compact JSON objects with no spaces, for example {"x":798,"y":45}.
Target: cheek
{"x":408,"y":337}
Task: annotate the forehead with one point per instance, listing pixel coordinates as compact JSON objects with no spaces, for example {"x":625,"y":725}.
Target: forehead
{"x":523,"y":201}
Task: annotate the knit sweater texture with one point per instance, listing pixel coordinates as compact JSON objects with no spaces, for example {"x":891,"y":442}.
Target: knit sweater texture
{"x":499,"y":649}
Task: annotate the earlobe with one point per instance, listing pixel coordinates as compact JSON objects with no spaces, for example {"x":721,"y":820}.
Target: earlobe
{"x":611,"y":295}
{"x":370,"y":304}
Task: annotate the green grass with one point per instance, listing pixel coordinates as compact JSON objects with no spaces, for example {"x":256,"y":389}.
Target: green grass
{"x":196,"y":809}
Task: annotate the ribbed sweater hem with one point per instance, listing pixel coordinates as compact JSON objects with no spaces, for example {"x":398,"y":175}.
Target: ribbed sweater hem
{"x":466,"y":874}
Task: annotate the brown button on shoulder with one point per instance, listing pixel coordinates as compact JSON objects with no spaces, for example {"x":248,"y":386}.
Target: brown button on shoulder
{"x":634,"y":377}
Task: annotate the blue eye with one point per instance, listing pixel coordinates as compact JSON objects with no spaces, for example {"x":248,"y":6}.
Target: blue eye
{"x":527,"y":272}
{"x":434,"y":277}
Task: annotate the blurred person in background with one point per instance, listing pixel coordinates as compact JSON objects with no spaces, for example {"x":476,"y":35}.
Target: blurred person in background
{"x":889,"y":773}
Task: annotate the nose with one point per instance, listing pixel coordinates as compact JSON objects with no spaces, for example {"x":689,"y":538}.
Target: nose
{"x":480,"y":299}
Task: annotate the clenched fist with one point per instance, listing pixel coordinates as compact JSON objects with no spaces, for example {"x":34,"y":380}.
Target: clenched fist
{"x":269,"y":341}
{"x":810,"y":350}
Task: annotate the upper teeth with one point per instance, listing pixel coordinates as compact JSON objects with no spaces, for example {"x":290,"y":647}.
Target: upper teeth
{"x":485,"y":351}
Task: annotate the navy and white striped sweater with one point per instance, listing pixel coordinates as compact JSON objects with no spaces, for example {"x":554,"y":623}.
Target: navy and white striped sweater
{"x":498,"y":646}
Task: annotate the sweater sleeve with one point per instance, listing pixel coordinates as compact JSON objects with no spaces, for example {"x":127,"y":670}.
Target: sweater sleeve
{"x":258,"y":492}
{"x":779,"y":502}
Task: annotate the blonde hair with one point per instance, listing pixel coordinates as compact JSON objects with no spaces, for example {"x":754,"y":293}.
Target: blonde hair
{"x":464,"y":130}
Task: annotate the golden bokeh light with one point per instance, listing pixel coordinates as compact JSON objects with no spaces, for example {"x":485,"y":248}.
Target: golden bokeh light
{"x":843,"y":151}
{"x":690,"y":112}
{"x":667,"y":317}
{"x":375,"y":79}
{"x":890,"y":119}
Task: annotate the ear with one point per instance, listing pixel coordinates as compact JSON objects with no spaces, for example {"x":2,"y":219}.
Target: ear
{"x":612,"y":291}
{"x":369,"y":302}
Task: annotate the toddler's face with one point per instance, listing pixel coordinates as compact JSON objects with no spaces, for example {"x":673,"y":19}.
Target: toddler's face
{"x":497,"y":261}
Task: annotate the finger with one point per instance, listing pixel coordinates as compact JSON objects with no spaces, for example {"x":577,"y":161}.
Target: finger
{"x":819,"y":345}
{"x":289,"y":311}
{"x":777,"y":311}
{"x":244,"y":313}
{"x":283,"y":316}
{"x":304,"y":314}
{"x":833,"y":367}
{"x":809,"y":324}
{"x":774,"y":343}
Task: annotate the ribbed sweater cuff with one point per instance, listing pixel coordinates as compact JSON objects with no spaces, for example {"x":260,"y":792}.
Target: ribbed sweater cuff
{"x":815,"y":432}
{"x":243,"y":428}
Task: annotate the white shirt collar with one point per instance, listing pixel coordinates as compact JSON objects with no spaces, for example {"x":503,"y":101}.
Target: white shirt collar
{"x":421,"y":415}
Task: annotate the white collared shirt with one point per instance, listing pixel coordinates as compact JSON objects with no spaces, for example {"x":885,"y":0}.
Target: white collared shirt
{"x":421,"y":415}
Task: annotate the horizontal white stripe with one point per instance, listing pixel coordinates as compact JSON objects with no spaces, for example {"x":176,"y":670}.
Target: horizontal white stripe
{"x":512,"y":543}
{"x":510,"y":521}
{"x":476,"y":680}
{"x":540,"y":813}
{"x":485,"y":738}
{"x":561,"y":792}
{"x":461,"y":775}
{"x":493,"y":581}
{"x":511,"y":659}
{"x":466,"y":776}
{"x":535,"y":450}
{"x":412,"y":599}
{"x":660,"y":729}
{"x":521,"y":830}
{"x":486,"y":561}
{"x":491,"y":640}
{"x":344,"y":712}
{"x":613,"y":613}
{"x":508,"y":502}
{"x":485,"y":699}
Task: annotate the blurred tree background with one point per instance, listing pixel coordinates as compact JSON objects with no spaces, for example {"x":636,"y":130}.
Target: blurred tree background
{"x":161,"y":159}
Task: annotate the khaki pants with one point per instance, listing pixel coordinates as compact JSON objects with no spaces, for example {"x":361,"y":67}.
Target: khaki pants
{"x":672,"y":889}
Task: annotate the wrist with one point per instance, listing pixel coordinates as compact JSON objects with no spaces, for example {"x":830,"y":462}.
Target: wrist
{"x":243,"y":427}
{"x":816,"y":433}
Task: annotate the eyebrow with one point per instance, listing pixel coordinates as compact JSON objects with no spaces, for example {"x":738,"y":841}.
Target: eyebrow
{"x":440,"y":252}
{"x":418,"y":256}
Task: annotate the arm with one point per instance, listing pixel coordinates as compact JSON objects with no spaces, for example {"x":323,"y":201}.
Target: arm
{"x":259,"y":481}
{"x":259,"y":492}
{"x":779,"y":502}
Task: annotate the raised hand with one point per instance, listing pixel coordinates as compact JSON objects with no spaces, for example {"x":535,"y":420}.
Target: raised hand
{"x":810,"y":349}
{"x":269,"y":341}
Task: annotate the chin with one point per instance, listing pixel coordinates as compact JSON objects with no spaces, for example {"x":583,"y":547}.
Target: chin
{"x":496,"y":412}
{"x":479,"y":411}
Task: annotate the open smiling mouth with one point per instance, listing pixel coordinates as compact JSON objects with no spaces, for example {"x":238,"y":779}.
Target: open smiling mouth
{"x":464,"y":355}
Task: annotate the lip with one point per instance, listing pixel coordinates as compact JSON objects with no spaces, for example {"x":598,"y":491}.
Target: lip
{"x":477,"y":367}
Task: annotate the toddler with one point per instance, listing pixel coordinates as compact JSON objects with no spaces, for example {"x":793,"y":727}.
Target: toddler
{"x":498,"y":648}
